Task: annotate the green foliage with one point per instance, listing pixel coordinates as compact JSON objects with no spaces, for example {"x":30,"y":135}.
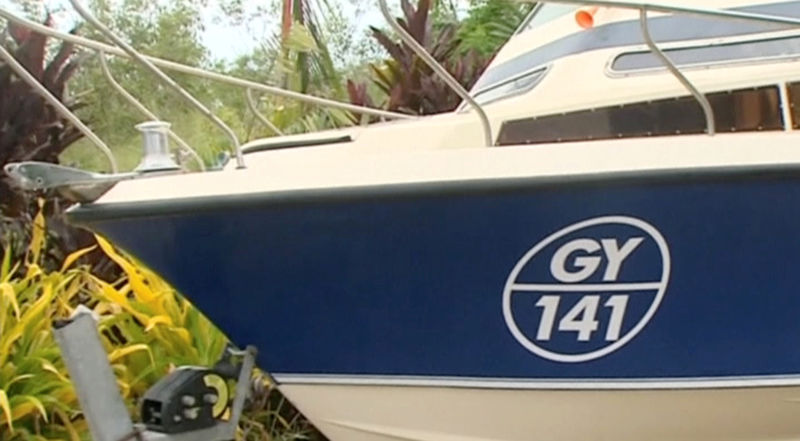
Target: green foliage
{"x":302,"y":61}
{"x":147,"y":328}
{"x":489,"y":24}
{"x":408,"y":83}
{"x":168,"y":30}
{"x":31,"y":130}
{"x":350,"y":45}
{"x":36,"y":398}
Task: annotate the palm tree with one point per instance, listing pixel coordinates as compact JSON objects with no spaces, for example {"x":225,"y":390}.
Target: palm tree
{"x":304,"y":45}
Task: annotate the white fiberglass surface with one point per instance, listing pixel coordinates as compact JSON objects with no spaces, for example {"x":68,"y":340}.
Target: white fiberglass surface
{"x":381,"y":413}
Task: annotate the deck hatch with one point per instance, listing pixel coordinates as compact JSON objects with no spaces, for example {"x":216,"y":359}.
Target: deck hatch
{"x":278,"y":144}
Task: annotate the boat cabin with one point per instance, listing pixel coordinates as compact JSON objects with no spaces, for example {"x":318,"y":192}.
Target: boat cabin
{"x":586,"y":73}
{"x":575,"y":73}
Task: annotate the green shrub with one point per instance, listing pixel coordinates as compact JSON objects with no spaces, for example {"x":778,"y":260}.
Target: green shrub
{"x":147,"y":329}
{"x":36,"y":398}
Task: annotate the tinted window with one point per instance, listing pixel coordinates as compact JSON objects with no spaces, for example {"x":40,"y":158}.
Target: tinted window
{"x":735,"y":111}
{"x":512,"y":87}
{"x":794,"y":103}
{"x":779,"y":47}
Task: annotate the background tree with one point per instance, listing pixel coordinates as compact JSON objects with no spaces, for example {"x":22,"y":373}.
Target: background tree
{"x":489,"y":24}
{"x":169,"y":30}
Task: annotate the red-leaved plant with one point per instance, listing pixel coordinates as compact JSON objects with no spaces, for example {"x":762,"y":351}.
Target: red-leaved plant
{"x":31,"y":130}
{"x":410,"y":85}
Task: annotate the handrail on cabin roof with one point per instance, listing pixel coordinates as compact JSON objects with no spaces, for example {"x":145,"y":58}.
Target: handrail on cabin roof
{"x":708,"y":111}
{"x":642,"y":7}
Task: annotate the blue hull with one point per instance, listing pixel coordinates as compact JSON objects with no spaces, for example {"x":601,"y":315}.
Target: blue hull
{"x":670,"y":277}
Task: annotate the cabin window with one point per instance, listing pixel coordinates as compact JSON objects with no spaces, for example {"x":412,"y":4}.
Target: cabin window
{"x":504,"y":89}
{"x":794,"y":103}
{"x":742,"y":110}
{"x":767,"y":50}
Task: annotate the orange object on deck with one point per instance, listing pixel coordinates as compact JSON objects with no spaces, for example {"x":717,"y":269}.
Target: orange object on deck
{"x":585,"y":16}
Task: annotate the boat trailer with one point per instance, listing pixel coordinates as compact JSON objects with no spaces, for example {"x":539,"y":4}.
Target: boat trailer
{"x":190,"y":403}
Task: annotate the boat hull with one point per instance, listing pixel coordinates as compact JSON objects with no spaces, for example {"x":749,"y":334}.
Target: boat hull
{"x":383,"y":413}
{"x":662,"y":304}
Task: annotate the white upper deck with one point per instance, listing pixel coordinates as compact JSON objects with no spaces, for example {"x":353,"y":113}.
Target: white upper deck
{"x":564,"y":99}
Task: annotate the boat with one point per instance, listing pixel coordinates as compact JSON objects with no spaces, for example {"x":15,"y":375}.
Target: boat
{"x":600,"y":243}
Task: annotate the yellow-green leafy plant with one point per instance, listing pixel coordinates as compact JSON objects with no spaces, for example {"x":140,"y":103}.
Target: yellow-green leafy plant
{"x":147,"y":329}
{"x":36,"y":398}
{"x":150,"y":329}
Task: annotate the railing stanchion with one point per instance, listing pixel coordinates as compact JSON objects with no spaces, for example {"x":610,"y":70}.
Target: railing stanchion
{"x":251,"y":103}
{"x":699,"y":96}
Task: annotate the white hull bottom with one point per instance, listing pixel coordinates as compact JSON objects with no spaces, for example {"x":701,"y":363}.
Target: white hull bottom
{"x":421,"y":413}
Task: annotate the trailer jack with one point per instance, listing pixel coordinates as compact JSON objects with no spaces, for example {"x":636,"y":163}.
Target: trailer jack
{"x":190,"y":403}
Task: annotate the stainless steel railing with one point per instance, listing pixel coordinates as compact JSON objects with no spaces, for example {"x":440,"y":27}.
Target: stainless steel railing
{"x":708,"y":112}
{"x":642,"y":7}
{"x":251,"y":102}
{"x":164,"y":78}
{"x":20,"y":70}
{"x":155,"y":66}
{"x":145,"y":111}
{"x":198,"y":72}
{"x":440,"y":70}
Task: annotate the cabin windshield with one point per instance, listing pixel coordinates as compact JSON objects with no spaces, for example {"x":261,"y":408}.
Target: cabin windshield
{"x":544,"y":13}
{"x":519,"y":81}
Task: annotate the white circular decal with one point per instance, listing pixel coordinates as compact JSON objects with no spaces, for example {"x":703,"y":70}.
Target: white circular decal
{"x":588,"y":289}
